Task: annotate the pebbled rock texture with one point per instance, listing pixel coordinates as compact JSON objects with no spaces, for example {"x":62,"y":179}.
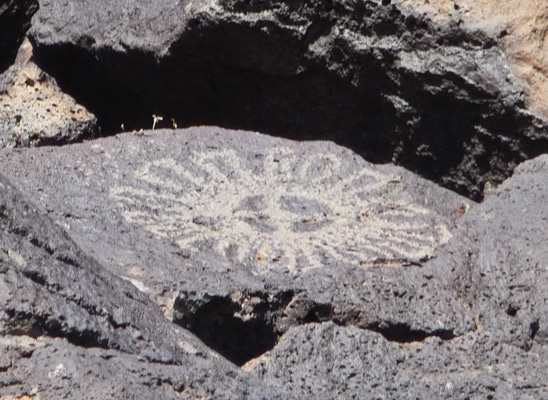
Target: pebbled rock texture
{"x":68,"y":327}
{"x":151,"y":265}
{"x":380,"y":78}
{"x":326,"y":361}
{"x":15,"y":20}
{"x":34,"y":111}
{"x":498,"y":259}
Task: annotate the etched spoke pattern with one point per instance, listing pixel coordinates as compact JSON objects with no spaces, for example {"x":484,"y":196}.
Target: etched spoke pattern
{"x":282,"y":211}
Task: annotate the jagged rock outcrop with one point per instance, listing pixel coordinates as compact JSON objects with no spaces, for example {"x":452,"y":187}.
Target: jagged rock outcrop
{"x":497,"y":259}
{"x":247,"y":235}
{"x":35,"y":112}
{"x":380,"y":78}
{"x":68,"y":326}
{"x":15,"y":20}
{"x":233,"y":233}
{"x":521,"y":26}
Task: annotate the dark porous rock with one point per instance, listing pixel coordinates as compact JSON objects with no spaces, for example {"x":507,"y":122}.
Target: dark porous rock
{"x":68,"y":327}
{"x":15,"y":19}
{"x":326,"y":361}
{"x":34,"y":111}
{"x":495,"y":264}
{"x":239,"y":236}
{"x":497,"y":259}
{"x":378,"y":77}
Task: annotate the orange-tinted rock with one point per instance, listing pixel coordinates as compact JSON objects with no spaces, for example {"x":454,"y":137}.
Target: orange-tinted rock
{"x":34,"y":111}
{"x":521,"y":24}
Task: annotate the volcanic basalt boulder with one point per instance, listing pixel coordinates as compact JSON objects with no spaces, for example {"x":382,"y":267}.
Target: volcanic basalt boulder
{"x":34,"y":111}
{"x":247,"y":235}
{"x":152,"y":264}
{"x":521,"y":26}
{"x":68,"y":327}
{"x":497,"y":259}
{"x":378,"y":77}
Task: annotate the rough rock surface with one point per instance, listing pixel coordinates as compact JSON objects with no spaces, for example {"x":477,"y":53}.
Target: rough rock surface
{"x":498,"y":259}
{"x":63,"y":317}
{"x":15,"y":19}
{"x":521,"y":25}
{"x":34,"y":111}
{"x":326,"y":361}
{"x":495,"y":263}
{"x":322,"y":275}
{"x":375,"y":76}
{"x":244,"y":235}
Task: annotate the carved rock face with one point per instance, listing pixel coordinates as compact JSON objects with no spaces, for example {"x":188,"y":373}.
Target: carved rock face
{"x":337,"y":278}
{"x":281,"y":208}
{"x":230,"y":216}
{"x":379,"y":78}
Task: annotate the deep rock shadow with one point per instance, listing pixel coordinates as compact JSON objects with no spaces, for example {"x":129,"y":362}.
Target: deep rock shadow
{"x":15,"y":19}
{"x":456,"y":122}
{"x":239,"y":329}
{"x":244,"y":325}
{"x":402,"y":333}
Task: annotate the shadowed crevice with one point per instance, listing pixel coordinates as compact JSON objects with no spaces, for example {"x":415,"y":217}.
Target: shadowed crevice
{"x":297,"y":78}
{"x":244,"y":325}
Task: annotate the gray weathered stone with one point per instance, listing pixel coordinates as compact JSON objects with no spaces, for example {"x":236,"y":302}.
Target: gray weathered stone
{"x":497,"y":259}
{"x":34,"y":111}
{"x":380,"y":78}
{"x":68,"y":327}
{"x":325,"y":361}
{"x":495,"y":264}
{"x":240,"y":236}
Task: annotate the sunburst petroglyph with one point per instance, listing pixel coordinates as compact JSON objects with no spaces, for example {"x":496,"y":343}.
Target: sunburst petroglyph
{"x":281,"y":210}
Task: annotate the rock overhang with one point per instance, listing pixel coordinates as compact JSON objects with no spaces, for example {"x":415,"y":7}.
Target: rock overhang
{"x":383,"y":80}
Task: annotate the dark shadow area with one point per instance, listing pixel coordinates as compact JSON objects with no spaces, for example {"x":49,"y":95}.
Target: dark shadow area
{"x":36,"y":325}
{"x":402,"y":333}
{"x":236,"y":330}
{"x":261,"y":77}
{"x":243,"y":326}
{"x":15,"y":20}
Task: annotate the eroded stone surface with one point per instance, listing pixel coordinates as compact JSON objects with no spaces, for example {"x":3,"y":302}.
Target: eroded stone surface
{"x":498,"y":258}
{"x":281,"y":208}
{"x":521,"y":25}
{"x":34,"y":111}
{"x":53,"y":368}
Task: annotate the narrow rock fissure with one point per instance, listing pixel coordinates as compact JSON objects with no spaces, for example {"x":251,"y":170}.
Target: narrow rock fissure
{"x":402,"y":333}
